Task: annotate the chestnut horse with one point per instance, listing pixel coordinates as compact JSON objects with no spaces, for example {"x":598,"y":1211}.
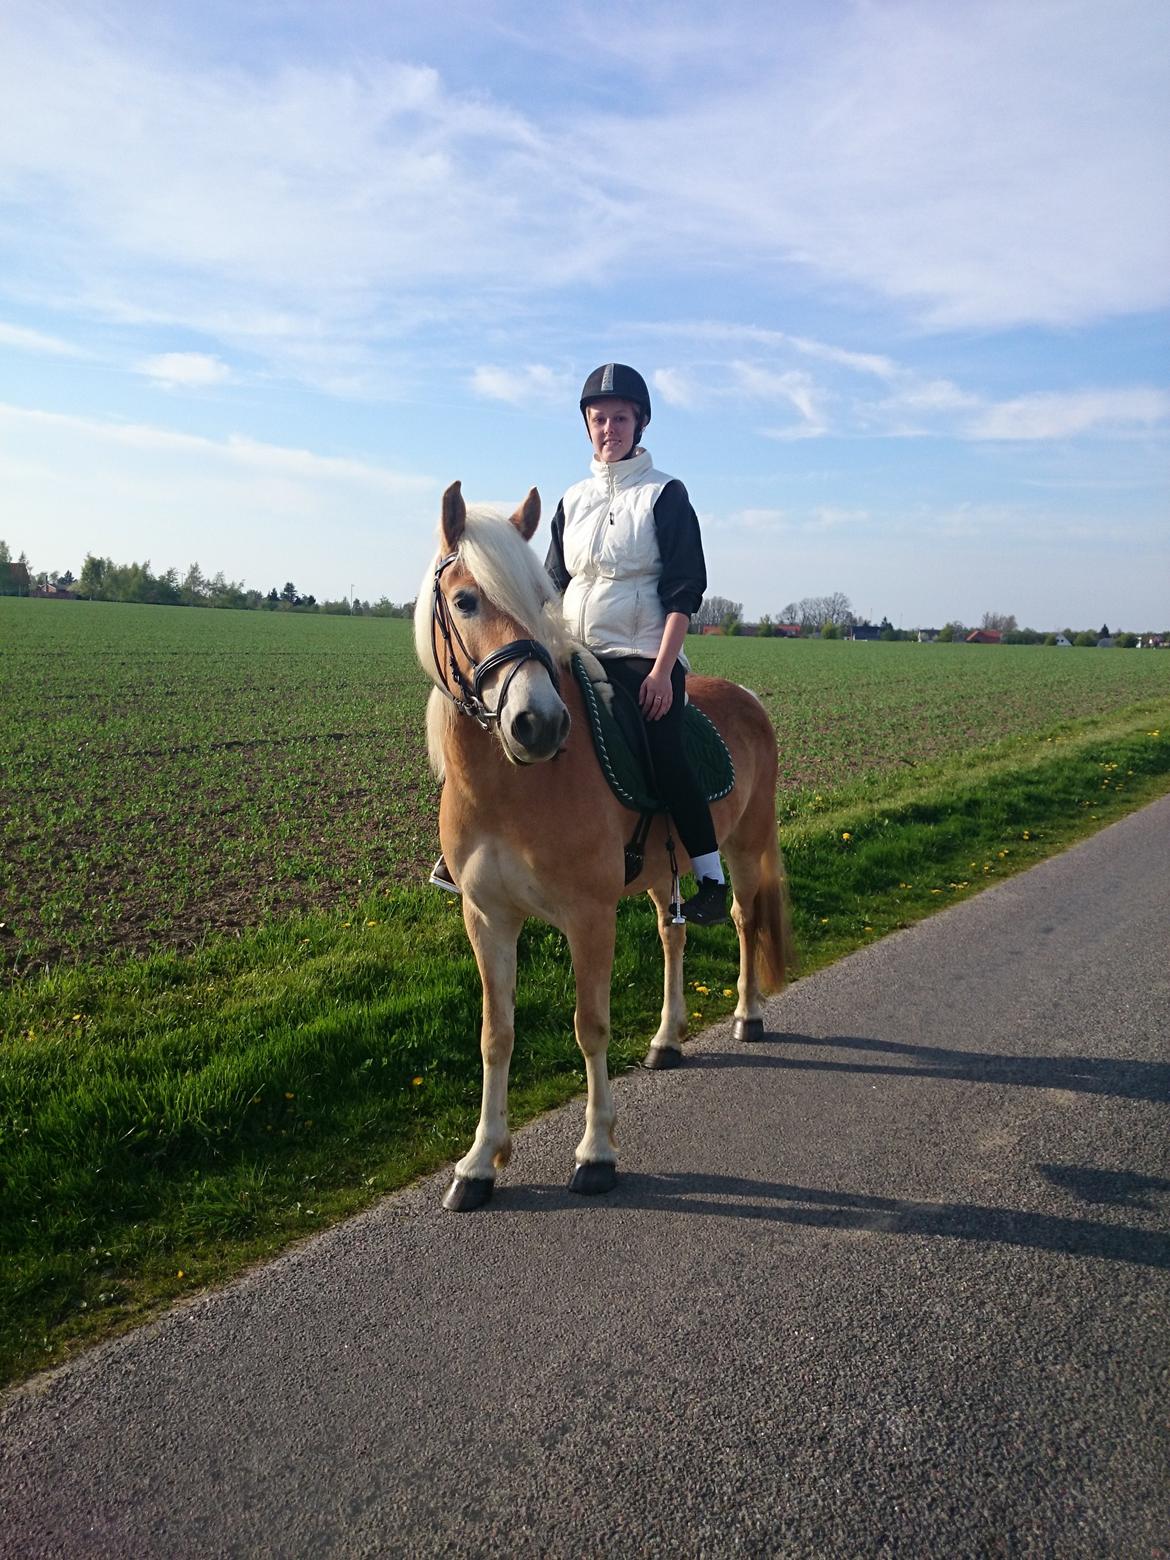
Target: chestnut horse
{"x":527,"y":836}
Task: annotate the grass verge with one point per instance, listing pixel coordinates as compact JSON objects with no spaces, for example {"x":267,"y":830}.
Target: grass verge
{"x":165,"y":1122}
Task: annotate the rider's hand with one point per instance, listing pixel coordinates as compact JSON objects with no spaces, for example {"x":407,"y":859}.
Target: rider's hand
{"x":656,"y":695}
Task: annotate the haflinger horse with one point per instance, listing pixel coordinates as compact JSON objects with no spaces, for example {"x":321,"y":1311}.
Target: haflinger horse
{"x":530,"y":827}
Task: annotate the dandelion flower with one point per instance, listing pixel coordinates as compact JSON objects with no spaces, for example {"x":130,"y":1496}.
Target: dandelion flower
{"x":415,"y":1082}
{"x":728,"y":992}
{"x":847,"y":836}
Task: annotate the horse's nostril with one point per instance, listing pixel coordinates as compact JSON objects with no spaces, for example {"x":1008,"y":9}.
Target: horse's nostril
{"x":524,"y":728}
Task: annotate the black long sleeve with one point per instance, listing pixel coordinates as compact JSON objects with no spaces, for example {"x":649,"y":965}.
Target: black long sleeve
{"x":554,"y":561}
{"x":680,"y":546}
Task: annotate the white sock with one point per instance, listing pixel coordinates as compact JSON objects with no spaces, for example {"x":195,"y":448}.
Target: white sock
{"x":708,"y":866}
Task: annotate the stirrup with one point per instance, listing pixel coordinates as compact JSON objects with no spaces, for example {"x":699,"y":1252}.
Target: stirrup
{"x":441,"y":877}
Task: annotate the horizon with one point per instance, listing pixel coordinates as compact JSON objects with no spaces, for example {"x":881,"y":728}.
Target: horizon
{"x":898,"y":278}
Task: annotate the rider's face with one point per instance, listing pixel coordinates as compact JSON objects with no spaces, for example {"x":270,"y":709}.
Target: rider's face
{"x":612,"y":424}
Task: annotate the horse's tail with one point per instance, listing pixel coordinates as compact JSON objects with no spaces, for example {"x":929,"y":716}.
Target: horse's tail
{"x":775,"y":947}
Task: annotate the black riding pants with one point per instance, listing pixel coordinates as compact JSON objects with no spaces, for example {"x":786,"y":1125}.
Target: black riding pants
{"x":680,"y":789}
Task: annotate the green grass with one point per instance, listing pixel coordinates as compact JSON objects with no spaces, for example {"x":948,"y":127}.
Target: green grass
{"x":168,"y":1116}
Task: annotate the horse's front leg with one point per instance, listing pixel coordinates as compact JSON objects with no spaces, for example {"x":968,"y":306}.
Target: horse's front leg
{"x":591,"y":942}
{"x":494,"y":942}
{"x":664,"y":1049}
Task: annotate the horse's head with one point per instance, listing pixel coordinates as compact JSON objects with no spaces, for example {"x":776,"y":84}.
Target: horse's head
{"x":488,"y":628}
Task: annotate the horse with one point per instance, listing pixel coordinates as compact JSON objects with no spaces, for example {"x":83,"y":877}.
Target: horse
{"x":530,"y":827}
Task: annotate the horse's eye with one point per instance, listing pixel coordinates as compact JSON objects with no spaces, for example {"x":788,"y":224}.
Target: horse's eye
{"x":466,"y":601}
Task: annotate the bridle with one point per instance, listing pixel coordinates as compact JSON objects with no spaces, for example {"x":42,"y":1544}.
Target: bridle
{"x":469,"y":699}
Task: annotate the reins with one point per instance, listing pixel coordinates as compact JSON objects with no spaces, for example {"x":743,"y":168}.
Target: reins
{"x":469,"y":699}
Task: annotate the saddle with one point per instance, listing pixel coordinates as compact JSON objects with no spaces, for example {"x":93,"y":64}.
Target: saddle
{"x":619,"y":740}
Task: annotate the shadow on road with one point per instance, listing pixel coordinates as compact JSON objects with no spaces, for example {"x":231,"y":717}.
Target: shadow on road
{"x":1119,"y":1077}
{"x":737,"y":1197}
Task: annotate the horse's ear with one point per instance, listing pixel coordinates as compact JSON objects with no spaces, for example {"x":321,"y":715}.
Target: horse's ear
{"x":454,"y":518}
{"x":527,"y":517}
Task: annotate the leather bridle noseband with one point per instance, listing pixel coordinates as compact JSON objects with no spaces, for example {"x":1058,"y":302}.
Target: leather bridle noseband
{"x":469,"y":699}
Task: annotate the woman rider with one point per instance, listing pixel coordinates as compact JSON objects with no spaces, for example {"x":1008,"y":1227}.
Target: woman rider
{"x":627,"y":556}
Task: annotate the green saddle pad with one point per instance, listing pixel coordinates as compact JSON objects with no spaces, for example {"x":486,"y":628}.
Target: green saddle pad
{"x":623,"y":767}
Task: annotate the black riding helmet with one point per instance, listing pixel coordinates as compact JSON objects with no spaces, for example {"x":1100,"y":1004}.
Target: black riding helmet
{"x":618,"y":379}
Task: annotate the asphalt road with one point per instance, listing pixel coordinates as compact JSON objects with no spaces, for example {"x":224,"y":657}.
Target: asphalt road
{"x":892,"y":1282}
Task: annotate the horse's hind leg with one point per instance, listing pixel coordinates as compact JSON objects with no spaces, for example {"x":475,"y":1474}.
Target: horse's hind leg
{"x":591,"y":942}
{"x":664,"y":1049}
{"x":495,"y":953}
{"x":745,"y":883}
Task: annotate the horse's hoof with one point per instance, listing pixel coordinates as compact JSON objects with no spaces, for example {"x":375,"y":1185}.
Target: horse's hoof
{"x":661,"y":1058}
{"x":748,"y":1029}
{"x":594,"y":1178}
{"x":464,"y":1195}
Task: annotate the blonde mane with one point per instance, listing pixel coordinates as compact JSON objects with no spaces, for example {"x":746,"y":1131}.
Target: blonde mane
{"x":512,"y":577}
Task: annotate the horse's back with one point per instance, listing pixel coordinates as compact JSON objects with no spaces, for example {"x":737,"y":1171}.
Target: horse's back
{"x":736,"y":712}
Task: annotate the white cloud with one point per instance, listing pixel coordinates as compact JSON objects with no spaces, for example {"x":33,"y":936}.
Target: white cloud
{"x":235,"y":451}
{"x":676,"y":386}
{"x":793,"y":386}
{"x":980,"y":165}
{"x":860,"y":362}
{"x":22,"y":340}
{"x":1064,"y":416}
{"x":983,"y":165}
{"x":185,"y":370}
{"x":521,"y":385}
{"x":316,"y":196}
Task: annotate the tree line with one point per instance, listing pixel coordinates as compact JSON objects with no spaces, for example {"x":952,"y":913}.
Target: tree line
{"x":102,"y":579}
{"x":830,"y":616}
{"x":812,"y":614}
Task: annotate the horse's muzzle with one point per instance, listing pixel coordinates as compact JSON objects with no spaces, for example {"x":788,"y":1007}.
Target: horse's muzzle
{"x":532,"y":736}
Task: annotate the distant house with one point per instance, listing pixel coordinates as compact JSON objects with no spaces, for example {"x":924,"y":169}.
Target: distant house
{"x":14,"y":579}
{"x":927,"y":636}
{"x":865,"y":631}
{"x":984,"y":636}
{"x":786,"y":630}
{"x":1152,"y":642}
{"x":1064,"y":642}
{"x":1107,"y":643}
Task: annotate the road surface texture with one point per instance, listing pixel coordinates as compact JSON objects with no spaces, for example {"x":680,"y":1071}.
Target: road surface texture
{"x":892,"y":1282}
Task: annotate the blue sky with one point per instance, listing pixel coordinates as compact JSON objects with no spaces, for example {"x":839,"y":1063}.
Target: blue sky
{"x":273,"y":274}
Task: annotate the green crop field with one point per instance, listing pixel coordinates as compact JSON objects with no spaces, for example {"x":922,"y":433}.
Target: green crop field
{"x":232,"y":1009}
{"x":171,"y":773}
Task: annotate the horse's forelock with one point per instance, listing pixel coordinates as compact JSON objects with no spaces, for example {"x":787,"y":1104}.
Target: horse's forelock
{"x":512,"y":577}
